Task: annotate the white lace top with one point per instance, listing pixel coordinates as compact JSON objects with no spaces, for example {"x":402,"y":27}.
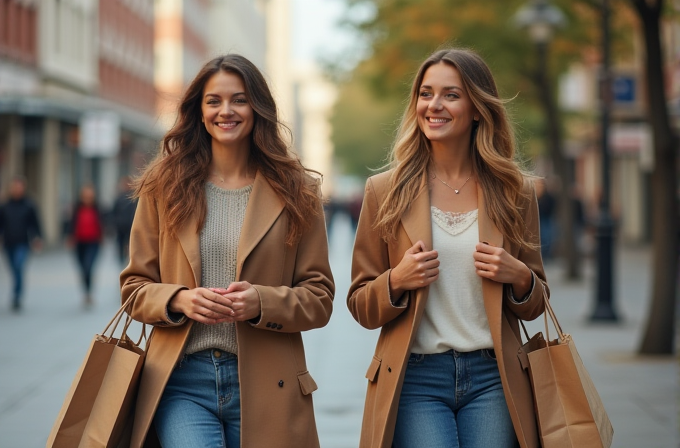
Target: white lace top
{"x":454,"y":316}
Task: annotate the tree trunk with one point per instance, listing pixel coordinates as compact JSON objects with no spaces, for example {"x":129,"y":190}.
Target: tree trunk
{"x":659,"y":335}
{"x":568,"y":247}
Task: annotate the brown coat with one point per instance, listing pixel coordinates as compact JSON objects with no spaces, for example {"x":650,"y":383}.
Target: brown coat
{"x":369,"y":303}
{"x":296,"y":289}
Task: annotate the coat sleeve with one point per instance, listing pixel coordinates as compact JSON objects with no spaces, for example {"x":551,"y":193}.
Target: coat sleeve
{"x":308,"y":303}
{"x":533,"y":306}
{"x":141,"y":279}
{"x":369,"y":299}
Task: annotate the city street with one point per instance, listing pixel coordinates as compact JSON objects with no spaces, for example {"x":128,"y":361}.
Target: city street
{"x":42,"y":347}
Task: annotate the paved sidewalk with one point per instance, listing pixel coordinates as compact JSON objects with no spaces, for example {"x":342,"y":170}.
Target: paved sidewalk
{"x":42,"y":347}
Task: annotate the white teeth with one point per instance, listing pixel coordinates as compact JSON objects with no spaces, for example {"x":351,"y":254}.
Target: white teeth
{"x":229,"y":125}
{"x":438,"y":120}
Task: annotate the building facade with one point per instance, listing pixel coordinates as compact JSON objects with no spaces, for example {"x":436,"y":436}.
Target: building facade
{"x":66,"y":65}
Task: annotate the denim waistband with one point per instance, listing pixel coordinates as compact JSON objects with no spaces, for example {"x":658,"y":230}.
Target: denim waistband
{"x":214,"y":353}
{"x":456,"y":354}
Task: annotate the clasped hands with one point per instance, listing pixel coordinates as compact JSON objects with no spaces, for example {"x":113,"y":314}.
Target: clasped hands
{"x":238,"y":302}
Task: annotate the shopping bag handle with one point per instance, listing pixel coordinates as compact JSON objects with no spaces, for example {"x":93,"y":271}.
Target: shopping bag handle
{"x":548,"y":311}
{"x":128,"y":321}
{"x":118,"y":316}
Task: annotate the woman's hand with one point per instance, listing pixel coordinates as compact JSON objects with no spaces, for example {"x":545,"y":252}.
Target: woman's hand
{"x":244,"y":298}
{"x":496,"y":264}
{"x":416,"y":269}
{"x":203,"y":305}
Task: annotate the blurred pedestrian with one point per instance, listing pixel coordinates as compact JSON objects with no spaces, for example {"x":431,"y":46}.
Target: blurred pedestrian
{"x":354,"y":210}
{"x":330,"y":208}
{"x":546,"y":217}
{"x":229,"y":262}
{"x":19,"y":229}
{"x":446,"y":260}
{"x":123,"y":213}
{"x":86,"y":233}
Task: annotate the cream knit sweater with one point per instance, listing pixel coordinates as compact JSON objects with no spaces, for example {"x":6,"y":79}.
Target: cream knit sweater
{"x":219,"y":243}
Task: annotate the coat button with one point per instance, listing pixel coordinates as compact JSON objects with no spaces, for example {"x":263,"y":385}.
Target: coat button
{"x":269,"y":324}
{"x":280,"y":383}
{"x":279,"y":326}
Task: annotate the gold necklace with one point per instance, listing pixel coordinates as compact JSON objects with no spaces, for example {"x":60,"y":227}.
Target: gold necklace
{"x":455,"y":190}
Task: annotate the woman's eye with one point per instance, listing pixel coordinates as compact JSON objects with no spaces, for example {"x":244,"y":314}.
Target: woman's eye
{"x":425,"y":94}
{"x":240,"y":100}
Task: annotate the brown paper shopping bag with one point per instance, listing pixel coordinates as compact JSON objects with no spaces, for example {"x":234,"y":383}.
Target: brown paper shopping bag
{"x":569,"y":410}
{"x":100,"y":403}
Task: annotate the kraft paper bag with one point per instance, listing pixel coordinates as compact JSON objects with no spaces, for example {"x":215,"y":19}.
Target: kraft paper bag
{"x":569,"y":411}
{"x":98,"y":408}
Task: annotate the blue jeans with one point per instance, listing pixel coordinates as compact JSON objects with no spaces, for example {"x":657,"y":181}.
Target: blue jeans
{"x":547,"y":228}
{"x":452,"y":400}
{"x":17,"y":254}
{"x":201,"y":404}
{"x":86,"y":253}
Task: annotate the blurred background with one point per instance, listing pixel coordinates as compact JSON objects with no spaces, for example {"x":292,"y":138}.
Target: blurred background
{"x":88,"y":88}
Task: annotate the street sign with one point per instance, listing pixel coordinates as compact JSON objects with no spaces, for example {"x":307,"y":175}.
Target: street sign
{"x":623,"y":89}
{"x":99,"y":134}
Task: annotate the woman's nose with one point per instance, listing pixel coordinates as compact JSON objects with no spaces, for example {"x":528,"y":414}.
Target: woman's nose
{"x":435,"y":104}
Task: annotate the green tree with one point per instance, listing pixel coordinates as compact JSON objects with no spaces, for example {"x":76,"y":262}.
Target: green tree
{"x":363,"y":126}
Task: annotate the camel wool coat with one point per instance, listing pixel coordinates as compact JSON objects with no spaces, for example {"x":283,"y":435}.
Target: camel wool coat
{"x":296,"y":290}
{"x":369,"y":302}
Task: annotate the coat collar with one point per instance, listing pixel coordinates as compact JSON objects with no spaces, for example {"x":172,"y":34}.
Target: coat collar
{"x":417,"y":220}
{"x":492,"y":291}
{"x":264,"y":206}
{"x":488,"y":232}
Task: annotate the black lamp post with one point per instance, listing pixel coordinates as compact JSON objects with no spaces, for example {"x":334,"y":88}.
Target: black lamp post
{"x":604,"y":308}
{"x":540,"y":19}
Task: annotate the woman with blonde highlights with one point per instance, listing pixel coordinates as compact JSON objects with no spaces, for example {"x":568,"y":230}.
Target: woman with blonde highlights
{"x":446,"y":261}
{"x":229,"y":263}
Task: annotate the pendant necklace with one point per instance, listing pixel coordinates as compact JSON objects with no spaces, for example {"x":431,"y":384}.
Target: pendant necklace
{"x":219,"y":177}
{"x":455,"y":190}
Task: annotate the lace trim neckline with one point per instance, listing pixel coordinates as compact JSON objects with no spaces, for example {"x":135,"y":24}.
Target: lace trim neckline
{"x":453,"y":223}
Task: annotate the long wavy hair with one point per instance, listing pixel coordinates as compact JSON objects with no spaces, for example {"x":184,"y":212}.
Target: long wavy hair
{"x":177,"y":175}
{"x":492,"y":150}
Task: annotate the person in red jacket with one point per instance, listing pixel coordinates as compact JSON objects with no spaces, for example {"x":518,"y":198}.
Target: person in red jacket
{"x":86,"y":236}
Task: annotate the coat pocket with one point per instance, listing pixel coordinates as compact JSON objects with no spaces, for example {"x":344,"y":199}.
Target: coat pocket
{"x":307,"y":383}
{"x":373,"y":369}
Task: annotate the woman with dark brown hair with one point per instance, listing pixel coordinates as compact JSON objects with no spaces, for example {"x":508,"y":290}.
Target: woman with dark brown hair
{"x":446,"y":261}
{"x":229,"y":263}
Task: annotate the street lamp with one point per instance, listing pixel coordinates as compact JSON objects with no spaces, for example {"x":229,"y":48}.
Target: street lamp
{"x":540,"y":18}
{"x":604,"y":233}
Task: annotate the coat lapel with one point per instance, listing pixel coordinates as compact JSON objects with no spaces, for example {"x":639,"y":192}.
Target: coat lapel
{"x":264,"y":207}
{"x":492,"y":291}
{"x":189,"y":240}
{"x":417,"y":220}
